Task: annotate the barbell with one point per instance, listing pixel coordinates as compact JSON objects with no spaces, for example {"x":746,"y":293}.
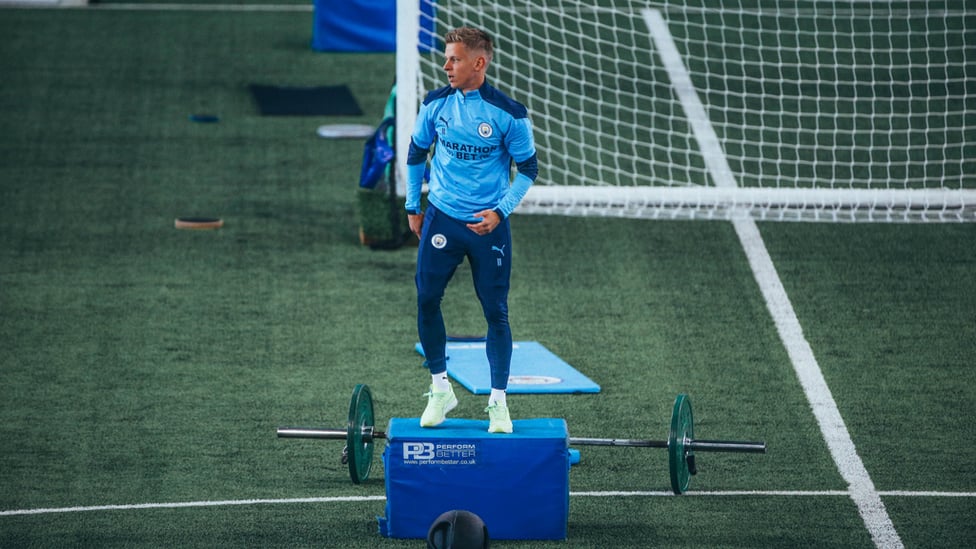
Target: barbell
{"x":360,"y":434}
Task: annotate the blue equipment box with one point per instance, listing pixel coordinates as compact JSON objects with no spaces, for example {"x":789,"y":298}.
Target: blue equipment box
{"x":366,"y":26}
{"x":518,"y":484}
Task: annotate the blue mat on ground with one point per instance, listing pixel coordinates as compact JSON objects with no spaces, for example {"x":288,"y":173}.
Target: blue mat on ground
{"x":535,"y":369}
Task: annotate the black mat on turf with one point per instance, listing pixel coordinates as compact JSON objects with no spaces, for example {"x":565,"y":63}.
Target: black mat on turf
{"x":314,"y":101}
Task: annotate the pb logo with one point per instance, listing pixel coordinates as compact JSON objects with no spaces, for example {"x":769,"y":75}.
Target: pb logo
{"x":418,"y":450}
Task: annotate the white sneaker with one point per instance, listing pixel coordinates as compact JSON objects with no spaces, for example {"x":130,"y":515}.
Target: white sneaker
{"x":498,"y":419}
{"x":438,"y":405}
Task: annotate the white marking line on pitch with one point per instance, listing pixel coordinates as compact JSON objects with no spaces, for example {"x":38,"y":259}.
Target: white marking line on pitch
{"x":835,"y":433}
{"x":789,"y":493}
{"x":178,"y":505}
{"x":205,"y":7}
{"x":343,"y":499}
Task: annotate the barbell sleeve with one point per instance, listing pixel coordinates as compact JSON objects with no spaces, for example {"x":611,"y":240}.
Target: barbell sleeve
{"x":326,"y":434}
{"x":693,"y":444}
{"x":308,"y":432}
{"x":583,"y":441}
{"x":726,"y":446}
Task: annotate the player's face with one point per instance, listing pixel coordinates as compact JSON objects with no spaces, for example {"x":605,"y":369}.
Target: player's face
{"x":464,"y":68}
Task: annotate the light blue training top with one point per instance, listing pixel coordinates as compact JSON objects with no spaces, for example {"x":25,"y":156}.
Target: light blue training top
{"x":478,"y":134}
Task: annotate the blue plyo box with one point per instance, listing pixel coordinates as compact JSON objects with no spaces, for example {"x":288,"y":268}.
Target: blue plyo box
{"x":518,"y":484}
{"x":534,"y":369}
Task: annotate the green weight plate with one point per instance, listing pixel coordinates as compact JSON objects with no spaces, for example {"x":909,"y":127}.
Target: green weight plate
{"x":682,"y":432}
{"x":360,"y":448}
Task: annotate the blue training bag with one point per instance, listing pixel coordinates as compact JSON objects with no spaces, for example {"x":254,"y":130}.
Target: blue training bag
{"x":377,"y":154}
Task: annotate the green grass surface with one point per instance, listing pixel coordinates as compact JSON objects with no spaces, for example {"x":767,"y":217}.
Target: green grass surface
{"x":144,"y":364}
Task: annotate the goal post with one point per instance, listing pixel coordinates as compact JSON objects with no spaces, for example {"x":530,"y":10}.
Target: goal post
{"x":837,"y":111}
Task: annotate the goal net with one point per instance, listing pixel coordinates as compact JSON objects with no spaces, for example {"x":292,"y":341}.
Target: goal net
{"x":823,"y":111}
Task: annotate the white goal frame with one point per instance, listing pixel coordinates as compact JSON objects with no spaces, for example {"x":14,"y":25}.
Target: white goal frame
{"x":723,"y":198}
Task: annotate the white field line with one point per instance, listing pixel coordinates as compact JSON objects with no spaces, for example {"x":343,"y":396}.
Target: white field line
{"x":862,"y":490}
{"x":177,"y":505}
{"x":774,"y":493}
{"x":79,"y":4}
{"x":205,"y":7}
{"x":347,"y":499}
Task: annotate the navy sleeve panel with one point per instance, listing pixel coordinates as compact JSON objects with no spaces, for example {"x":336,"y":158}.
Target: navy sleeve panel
{"x":495,"y":97}
{"x":529,"y":167}
{"x":416,"y":154}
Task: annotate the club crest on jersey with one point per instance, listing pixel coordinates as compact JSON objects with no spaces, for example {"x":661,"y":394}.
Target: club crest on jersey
{"x":484,"y":130}
{"x":438,"y":241}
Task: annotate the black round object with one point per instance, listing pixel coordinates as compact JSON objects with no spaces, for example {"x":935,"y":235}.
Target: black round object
{"x":457,"y":529}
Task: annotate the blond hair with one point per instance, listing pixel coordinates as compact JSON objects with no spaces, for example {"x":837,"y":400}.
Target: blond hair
{"x":473,"y":39}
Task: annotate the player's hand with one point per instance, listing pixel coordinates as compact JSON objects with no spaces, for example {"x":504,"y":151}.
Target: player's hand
{"x":489,"y":220}
{"x":416,"y":223}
